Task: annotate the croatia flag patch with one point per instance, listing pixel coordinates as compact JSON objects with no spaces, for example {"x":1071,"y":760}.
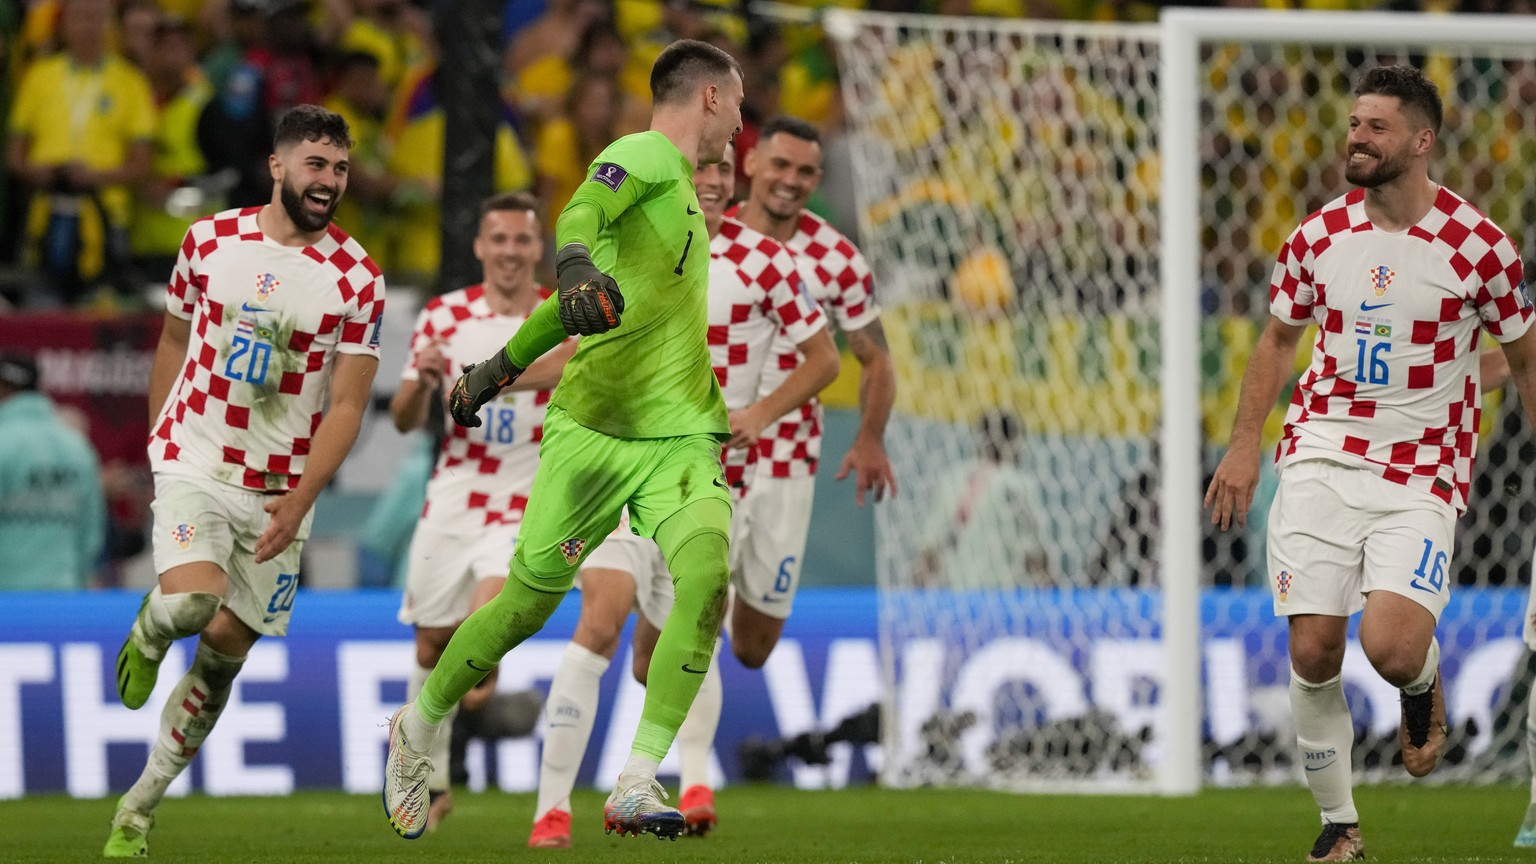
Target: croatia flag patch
{"x":571,"y":549}
{"x":266,"y":283}
{"x":183,"y":534}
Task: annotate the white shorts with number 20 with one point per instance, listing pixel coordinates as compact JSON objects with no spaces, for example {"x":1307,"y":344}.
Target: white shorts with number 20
{"x":1337,"y":533}
{"x":199,"y":519}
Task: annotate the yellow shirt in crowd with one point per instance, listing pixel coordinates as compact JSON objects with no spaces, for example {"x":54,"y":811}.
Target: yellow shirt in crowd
{"x":89,"y":115}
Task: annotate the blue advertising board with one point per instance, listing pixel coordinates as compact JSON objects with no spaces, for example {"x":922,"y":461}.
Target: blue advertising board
{"x":309,"y":710}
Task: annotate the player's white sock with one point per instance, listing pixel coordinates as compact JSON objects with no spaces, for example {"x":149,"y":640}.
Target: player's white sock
{"x":696,"y":736}
{"x":188,"y":717}
{"x":418,"y":730}
{"x":1426,"y":677}
{"x":168,"y":617}
{"x":639,"y":769}
{"x":568,"y":716}
{"x":441,"y":777}
{"x":439,"y":781}
{"x":1324,"y":736}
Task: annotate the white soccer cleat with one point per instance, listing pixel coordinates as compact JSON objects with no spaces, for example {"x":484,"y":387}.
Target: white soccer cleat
{"x":406,"y":769}
{"x":638,"y":810}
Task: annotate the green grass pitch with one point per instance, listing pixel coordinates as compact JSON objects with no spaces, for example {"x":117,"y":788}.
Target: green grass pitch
{"x":785,"y":826}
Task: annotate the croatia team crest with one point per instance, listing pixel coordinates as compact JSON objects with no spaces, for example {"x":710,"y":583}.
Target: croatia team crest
{"x":571,"y":549}
{"x":266,"y":283}
{"x":1283,"y":582}
{"x":1381,"y":277}
{"x":183,"y":534}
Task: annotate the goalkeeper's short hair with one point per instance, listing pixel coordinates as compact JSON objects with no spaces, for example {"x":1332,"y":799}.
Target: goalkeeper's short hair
{"x":687,"y":64}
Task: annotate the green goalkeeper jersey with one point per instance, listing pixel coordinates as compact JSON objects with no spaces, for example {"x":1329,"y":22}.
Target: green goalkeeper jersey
{"x":650,"y":377}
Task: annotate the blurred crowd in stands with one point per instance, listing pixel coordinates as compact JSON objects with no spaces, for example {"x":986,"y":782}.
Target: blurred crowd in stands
{"x":130,"y":118}
{"x":127,"y":119}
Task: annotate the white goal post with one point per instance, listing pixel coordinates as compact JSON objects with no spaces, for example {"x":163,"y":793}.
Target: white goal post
{"x":1072,"y":225}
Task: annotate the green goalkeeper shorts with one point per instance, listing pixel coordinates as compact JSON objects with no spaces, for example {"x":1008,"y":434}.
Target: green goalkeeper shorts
{"x":585,"y":479}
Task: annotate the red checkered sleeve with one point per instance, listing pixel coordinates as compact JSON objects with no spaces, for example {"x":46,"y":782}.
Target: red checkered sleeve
{"x":1294,"y":292}
{"x":187,"y":282}
{"x":1291,"y":292}
{"x":1502,"y":301}
{"x":1291,"y":286}
{"x":837,"y":265}
{"x":189,"y":277}
{"x":421,"y":336}
{"x":361,"y":284}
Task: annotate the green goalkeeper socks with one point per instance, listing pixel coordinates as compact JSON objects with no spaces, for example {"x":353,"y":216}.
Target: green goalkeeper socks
{"x":541,"y":332}
{"x":480,"y":642}
{"x":694,"y":542}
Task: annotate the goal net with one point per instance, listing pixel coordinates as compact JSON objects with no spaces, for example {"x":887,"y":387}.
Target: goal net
{"x":1007,"y":177}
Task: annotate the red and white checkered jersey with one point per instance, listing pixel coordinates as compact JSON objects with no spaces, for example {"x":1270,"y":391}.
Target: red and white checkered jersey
{"x":1393,"y":385}
{"x":267,"y":320}
{"x":840,"y":280}
{"x":755,"y":293}
{"x":483,"y":475}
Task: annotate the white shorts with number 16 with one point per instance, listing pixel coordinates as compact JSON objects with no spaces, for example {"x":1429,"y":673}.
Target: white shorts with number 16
{"x":1337,"y":533}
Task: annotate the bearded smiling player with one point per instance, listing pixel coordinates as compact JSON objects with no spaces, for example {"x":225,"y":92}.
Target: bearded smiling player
{"x":1401,"y":276}
{"x":259,"y":385}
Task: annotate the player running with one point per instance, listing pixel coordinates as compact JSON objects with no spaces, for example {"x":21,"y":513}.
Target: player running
{"x":769,"y":544}
{"x":475,"y":499}
{"x":260,"y":382}
{"x":755,"y":293}
{"x":637,"y":420}
{"x":1400,"y":275}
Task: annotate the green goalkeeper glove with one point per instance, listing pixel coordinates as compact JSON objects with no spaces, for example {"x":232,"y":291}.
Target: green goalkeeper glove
{"x":478,"y":385}
{"x":590,"y":301}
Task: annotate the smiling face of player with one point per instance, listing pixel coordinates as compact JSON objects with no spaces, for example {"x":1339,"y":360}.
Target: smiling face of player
{"x":723,"y":120}
{"x":716,"y":184}
{"x":509,"y":245}
{"x":785,"y":170}
{"x":311,"y":178}
{"x":1384,"y":140}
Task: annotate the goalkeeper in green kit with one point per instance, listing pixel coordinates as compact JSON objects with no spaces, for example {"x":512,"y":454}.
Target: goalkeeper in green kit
{"x":637,"y":420}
